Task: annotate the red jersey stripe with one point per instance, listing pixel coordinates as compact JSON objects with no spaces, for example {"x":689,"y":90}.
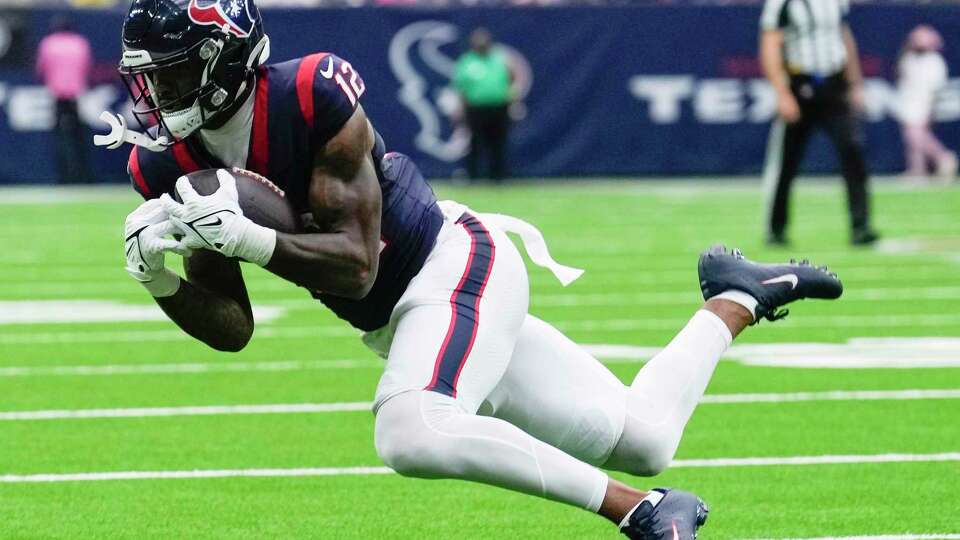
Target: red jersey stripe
{"x":259,"y":157}
{"x":137,"y":173}
{"x":305,"y":81}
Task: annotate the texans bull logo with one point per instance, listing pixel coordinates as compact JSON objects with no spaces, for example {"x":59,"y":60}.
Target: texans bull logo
{"x":423,"y":58}
{"x":232,"y":16}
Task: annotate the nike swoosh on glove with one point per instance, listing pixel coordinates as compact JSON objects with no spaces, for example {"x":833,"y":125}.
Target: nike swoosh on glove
{"x":145,"y":244}
{"x":217,"y":223}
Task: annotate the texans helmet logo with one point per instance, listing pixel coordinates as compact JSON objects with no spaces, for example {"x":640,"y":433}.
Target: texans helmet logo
{"x":231,"y":16}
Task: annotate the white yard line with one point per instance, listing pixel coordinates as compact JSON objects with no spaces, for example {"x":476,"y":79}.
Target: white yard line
{"x":208,"y":410}
{"x":879,"y":537}
{"x":315,"y":408}
{"x":840,"y":395}
{"x":340,"y":471}
{"x":190,"y":367}
{"x":27,"y":337}
{"x":165,"y":335}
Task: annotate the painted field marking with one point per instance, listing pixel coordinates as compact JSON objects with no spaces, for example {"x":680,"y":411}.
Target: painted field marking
{"x":182,"y":368}
{"x":862,"y":353}
{"x":166,"y":335}
{"x":205,"y":410}
{"x":342,"y":471}
{"x":98,"y":311}
{"x":948,"y":536}
{"x":921,"y":352}
{"x":315,"y":408}
{"x":26,"y":337}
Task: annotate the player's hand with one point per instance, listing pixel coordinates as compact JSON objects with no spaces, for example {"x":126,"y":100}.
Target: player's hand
{"x":217,"y":223}
{"x":856,"y":97}
{"x":787,"y":108}
{"x":145,"y":244}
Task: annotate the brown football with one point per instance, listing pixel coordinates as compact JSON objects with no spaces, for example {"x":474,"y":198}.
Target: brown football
{"x":260,"y":199}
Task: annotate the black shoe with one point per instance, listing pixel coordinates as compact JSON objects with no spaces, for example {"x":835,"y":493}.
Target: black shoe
{"x":677,"y":516}
{"x":864,"y":237}
{"x":773,"y":285}
{"x":777,"y":240}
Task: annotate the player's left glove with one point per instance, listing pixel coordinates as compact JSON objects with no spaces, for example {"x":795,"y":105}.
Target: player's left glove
{"x":145,"y":244}
{"x":217,"y":223}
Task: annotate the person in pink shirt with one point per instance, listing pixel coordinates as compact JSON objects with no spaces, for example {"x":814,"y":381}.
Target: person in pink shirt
{"x":63,"y":64}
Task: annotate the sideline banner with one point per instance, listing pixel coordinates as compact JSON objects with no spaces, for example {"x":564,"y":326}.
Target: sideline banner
{"x":605,"y":91}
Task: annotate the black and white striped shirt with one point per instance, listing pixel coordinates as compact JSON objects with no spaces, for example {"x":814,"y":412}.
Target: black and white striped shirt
{"x":812,"y":33}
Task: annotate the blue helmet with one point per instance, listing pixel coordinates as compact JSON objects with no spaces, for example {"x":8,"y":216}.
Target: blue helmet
{"x":188,"y":62}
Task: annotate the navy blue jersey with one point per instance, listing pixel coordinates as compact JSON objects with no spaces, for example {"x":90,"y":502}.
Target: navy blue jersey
{"x":299,"y":106}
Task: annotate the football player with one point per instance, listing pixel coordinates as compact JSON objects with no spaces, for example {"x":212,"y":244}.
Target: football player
{"x":474,"y":387}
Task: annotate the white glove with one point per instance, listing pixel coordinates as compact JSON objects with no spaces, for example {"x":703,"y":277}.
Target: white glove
{"x":215,"y":222}
{"x":145,"y":244}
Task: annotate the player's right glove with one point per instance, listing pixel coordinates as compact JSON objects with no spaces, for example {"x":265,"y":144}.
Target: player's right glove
{"x":145,"y":243}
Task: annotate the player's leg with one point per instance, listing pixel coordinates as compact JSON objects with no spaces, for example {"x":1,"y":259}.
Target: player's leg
{"x":577,"y":405}
{"x":668,"y":388}
{"x":914,"y":154}
{"x":846,"y":133}
{"x":449,"y":350}
{"x":785,"y":150}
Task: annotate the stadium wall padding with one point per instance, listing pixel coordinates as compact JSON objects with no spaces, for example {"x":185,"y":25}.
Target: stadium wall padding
{"x":610,"y":91}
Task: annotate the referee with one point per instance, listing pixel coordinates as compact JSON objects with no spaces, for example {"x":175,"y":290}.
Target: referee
{"x":810,"y":57}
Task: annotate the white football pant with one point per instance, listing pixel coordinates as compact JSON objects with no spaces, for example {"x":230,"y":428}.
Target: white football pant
{"x":477,"y":389}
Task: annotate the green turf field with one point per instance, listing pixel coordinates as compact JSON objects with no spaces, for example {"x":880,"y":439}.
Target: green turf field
{"x":638,"y":242}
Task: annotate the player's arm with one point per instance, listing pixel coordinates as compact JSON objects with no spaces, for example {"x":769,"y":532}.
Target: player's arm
{"x":345,"y":199}
{"x":771,"y":60}
{"x":853,"y":72}
{"x":212,"y":304}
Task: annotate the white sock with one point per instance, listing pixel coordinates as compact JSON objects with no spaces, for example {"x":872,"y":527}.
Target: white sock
{"x":741,"y":298}
{"x":654,"y":497}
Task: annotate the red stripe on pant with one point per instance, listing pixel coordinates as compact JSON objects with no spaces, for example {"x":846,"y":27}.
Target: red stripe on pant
{"x":465,"y":307}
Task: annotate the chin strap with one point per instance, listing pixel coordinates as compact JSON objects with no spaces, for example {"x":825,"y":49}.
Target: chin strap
{"x":119,"y":134}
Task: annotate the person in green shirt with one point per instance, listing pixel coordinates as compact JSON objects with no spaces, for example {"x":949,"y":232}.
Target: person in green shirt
{"x":484,"y":80}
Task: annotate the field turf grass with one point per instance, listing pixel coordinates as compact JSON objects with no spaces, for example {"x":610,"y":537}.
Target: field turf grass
{"x":638,"y":242}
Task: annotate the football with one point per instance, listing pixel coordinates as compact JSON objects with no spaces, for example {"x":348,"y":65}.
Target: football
{"x":260,"y":199}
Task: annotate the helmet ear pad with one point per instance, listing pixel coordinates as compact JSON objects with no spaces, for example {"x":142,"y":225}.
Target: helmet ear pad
{"x":227,"y":74}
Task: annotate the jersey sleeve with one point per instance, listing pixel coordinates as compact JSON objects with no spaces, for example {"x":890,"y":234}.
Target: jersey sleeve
{"x":155,"y":173}
{"x":328,"y":90}
{"x":774,"y":16}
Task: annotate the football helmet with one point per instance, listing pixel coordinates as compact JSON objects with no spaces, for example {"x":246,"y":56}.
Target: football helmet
{"x":187,"y":62}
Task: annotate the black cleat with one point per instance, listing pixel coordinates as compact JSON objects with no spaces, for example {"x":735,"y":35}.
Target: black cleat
{"x":864,"y":237}
{"x":773,"y":285}
{"x":777,"y":240}
{"x":677,"y":516}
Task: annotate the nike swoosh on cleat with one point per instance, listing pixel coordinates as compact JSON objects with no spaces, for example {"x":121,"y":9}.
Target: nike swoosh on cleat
{"x":676,"y":535}
{"x":792,"y":279}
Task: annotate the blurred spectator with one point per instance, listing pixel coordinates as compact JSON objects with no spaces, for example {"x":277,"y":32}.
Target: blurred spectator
{"x":63,"y":64}
{"x":922,"y":73}
{"x":483,"y":79}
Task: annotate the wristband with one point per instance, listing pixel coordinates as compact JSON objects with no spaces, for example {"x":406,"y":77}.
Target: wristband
{"x":256,"y":244}
{"x":165,"y":283}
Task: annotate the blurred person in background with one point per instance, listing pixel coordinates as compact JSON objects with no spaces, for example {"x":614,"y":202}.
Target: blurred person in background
{"x":809,"y":55}
{"x":922,"y":72}
{"x":64,"y":62}
{"x":484,"y":80}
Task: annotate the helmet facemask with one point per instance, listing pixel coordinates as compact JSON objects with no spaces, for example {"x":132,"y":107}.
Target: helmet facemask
{"x":185,"y":92}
